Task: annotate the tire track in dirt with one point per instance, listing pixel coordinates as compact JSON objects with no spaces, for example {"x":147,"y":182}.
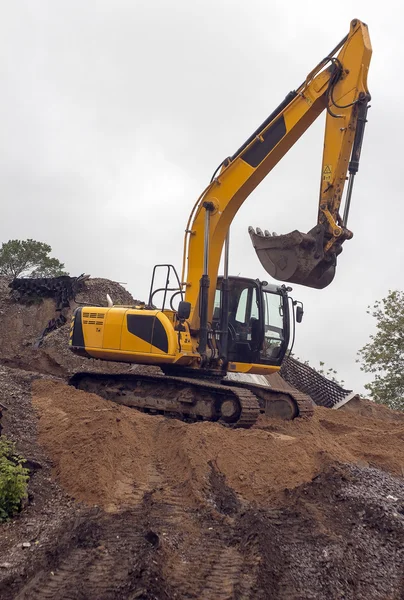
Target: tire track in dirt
{"x":109,"y":558}
{"x":164,"y":536}
{"x":57,"y":584}
{"x":197,"y":559}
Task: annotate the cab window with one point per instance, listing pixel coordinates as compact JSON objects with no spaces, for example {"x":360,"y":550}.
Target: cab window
{"x":273,"y":326}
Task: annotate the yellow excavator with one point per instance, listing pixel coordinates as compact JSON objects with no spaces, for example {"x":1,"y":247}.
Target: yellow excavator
{"x":205,"y":326}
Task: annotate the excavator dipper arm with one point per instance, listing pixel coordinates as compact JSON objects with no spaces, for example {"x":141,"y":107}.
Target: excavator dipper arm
{"x":338,"y":84}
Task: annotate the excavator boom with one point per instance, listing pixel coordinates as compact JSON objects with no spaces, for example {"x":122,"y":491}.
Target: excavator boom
{"x":338,"y":84}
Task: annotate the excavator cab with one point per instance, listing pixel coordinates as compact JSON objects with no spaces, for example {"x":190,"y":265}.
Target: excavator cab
{"x":295,"y":257}
{"x":257,"y":316}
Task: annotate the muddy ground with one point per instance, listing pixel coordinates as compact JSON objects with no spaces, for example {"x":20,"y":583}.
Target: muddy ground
{"x":127,"y":505}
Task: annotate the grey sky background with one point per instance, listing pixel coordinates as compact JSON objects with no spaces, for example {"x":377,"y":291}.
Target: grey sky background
{"x":116,"y":113}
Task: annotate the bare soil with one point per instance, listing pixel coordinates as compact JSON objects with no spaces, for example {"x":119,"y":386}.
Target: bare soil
{"x":124,"y":505}
{"x":111,"y":455}
{"x":22,"y":324}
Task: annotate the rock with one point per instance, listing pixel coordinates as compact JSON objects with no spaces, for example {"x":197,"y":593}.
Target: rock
{"x":153,"y":538}
{"x":32,"y":465}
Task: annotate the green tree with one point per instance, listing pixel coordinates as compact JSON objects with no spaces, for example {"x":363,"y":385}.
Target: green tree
{"x":28,"y":258}
{"x":383,"y":355}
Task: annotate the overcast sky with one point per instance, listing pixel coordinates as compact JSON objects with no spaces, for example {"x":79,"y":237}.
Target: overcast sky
{"x":116,"y":113}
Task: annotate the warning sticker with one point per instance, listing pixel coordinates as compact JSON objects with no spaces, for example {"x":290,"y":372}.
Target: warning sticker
{"x":327,"y":172}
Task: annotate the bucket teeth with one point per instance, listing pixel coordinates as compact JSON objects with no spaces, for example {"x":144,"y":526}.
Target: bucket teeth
{"x":258,"y":231}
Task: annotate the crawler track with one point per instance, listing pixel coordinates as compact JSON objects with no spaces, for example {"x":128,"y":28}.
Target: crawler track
{"x":281,"y":401}
{"x":180,"y":397}
{"x":191,"y":399}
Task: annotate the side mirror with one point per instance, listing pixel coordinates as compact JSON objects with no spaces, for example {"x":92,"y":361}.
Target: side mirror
{"x":299,"y":314}
{"x":184,"y":310}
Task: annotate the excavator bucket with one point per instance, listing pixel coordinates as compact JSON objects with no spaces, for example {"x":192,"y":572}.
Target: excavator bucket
{"x":295,"y":257}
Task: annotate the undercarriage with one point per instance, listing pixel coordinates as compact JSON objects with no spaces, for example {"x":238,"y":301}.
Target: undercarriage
{"x":196,"y":400}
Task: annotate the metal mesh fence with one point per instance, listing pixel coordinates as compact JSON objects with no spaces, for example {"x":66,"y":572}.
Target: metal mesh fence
{"x":323,"y":391}
{"x":61,"y":289}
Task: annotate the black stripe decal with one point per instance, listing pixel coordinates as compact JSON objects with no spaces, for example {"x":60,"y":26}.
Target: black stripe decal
{"x":291,"y":96}
{"x":260,"y":150}
{"x":160,"y":339}
{"x":141,"y":325}
{"x":149,"y":329}
{"x":78,"y":337}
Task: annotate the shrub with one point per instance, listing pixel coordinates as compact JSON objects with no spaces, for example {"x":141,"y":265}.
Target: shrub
{"x":13,"y":479}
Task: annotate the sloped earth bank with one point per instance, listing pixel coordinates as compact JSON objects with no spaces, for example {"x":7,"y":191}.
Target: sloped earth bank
{"x":21,"y":325}
{"x":127,"y":505}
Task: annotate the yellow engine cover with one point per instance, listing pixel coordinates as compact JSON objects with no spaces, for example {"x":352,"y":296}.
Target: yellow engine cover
{"x":120,"y":333}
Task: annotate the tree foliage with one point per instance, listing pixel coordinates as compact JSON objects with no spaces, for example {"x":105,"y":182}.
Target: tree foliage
{"x":13,"y":479}
{"x":28,"y":258}
{"x":329,"y":373}
{"x":383,"y":355}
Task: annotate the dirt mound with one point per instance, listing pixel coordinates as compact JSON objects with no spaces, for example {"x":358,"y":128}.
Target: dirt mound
{"x":96,"y":291}
{"x":21,"y":325}
{"x":367,"y":408}
{"x":112,"y":455}
{"x":339,"y":536}
{"x":199,"y":511}
{"x":182,"y":521}
{"x":101,"y":451}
